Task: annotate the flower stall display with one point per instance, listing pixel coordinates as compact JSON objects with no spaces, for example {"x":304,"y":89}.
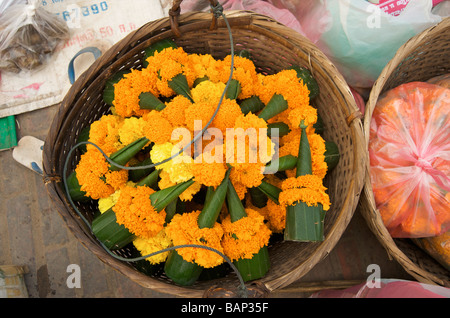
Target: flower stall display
{"x":190,"y":156}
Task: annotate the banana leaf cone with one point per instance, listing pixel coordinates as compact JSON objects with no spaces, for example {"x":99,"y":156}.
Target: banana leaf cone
{"x":180,"y":86}
{"x":304,"y":223}
{"x":276,"y":105}
{"x":257,"y":266}
{"x":149,"y":101}
{"x":120,"y":157}
{"x":187,"y":273}
{"x":115,"y":236}
{"x":251,"y":105}
{"x":233,"y":90}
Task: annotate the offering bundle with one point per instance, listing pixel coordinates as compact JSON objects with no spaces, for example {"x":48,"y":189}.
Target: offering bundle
{"x":206,"y":152}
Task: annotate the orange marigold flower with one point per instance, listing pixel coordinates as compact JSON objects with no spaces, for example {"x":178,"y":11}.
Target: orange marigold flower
{"x":104,"y":133}
{"x":306,"y":114}
{"x":134,"y":210}
{"x":201,"y":63}
{"x":157,"y":129}
{"x":200,"y":112}
{"x":184,"y":229}
{"x":276,"y":216}
{"x":226,"y":116}
{"x":94,"y":176}
{"x":116,"y":179}
{"x":287,"y":84}
{"x":291,"y":142}
{"x":126,"y":94}
{"x":244,"y":72}
{"x":248,"y":174}
{"x":246,"y":236}
{"x":208,"y":174}
{"x":175,"y":109}
{"x":168,"y":63}
{"x":189,"y":193}
{"x":240,"y":188}
{"x":307,"y":188}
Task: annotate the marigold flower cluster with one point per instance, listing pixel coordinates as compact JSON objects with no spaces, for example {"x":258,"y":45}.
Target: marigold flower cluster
{"x":234,"y":140}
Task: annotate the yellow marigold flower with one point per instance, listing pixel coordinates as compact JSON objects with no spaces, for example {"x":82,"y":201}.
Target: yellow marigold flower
{"x":179,"y":168}
{"x":164,"y":181}
{"x":132,"y":129}
{"x":157,"y":128}
{"x":246,"y":236}
{"x":183,"y":229}
{"x":94,"y":176}
{"x":104,"y":204}
{"x":104,"y":133}
{"x":207,"y":92}
{"x":189,"y":193}
{"x":161,"y":152}
{"x":154,"y":244}
{"x":135,"y":211}
{"x":307,"y":188}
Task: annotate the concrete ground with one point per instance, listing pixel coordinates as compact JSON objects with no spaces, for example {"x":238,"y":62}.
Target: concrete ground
{"x":33,"y":234}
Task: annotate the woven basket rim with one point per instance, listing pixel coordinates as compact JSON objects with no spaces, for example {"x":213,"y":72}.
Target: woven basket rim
{"x":243,"y":19}
{"x":369,"y":211}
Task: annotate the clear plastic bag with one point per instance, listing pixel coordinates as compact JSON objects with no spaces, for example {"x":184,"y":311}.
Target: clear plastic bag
{"x":28,"y":36}
{"x":410,"y":159}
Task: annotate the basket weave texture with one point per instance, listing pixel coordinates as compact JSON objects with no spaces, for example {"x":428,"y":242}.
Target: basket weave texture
{"x":273,"y":47}
{"x":423,"y":57}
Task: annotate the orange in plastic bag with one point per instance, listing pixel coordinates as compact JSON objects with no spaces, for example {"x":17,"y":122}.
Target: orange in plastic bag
{"x":409,"y":152}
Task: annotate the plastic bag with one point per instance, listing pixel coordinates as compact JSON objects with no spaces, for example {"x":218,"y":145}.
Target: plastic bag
{"x":387,"y":288}
{"x":28,"y":36}
{"x":356,"y":35}
{"x":410,"y":159}
{"x":281,"y":15}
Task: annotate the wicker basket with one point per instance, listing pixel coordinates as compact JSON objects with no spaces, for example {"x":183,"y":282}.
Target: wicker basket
{"x":274,"y":47}
{"x":424,"y":56}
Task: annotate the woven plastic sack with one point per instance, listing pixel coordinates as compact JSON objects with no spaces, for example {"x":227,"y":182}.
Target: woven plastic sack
{"x":28,"y":35}
{"x":410,"y":159}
